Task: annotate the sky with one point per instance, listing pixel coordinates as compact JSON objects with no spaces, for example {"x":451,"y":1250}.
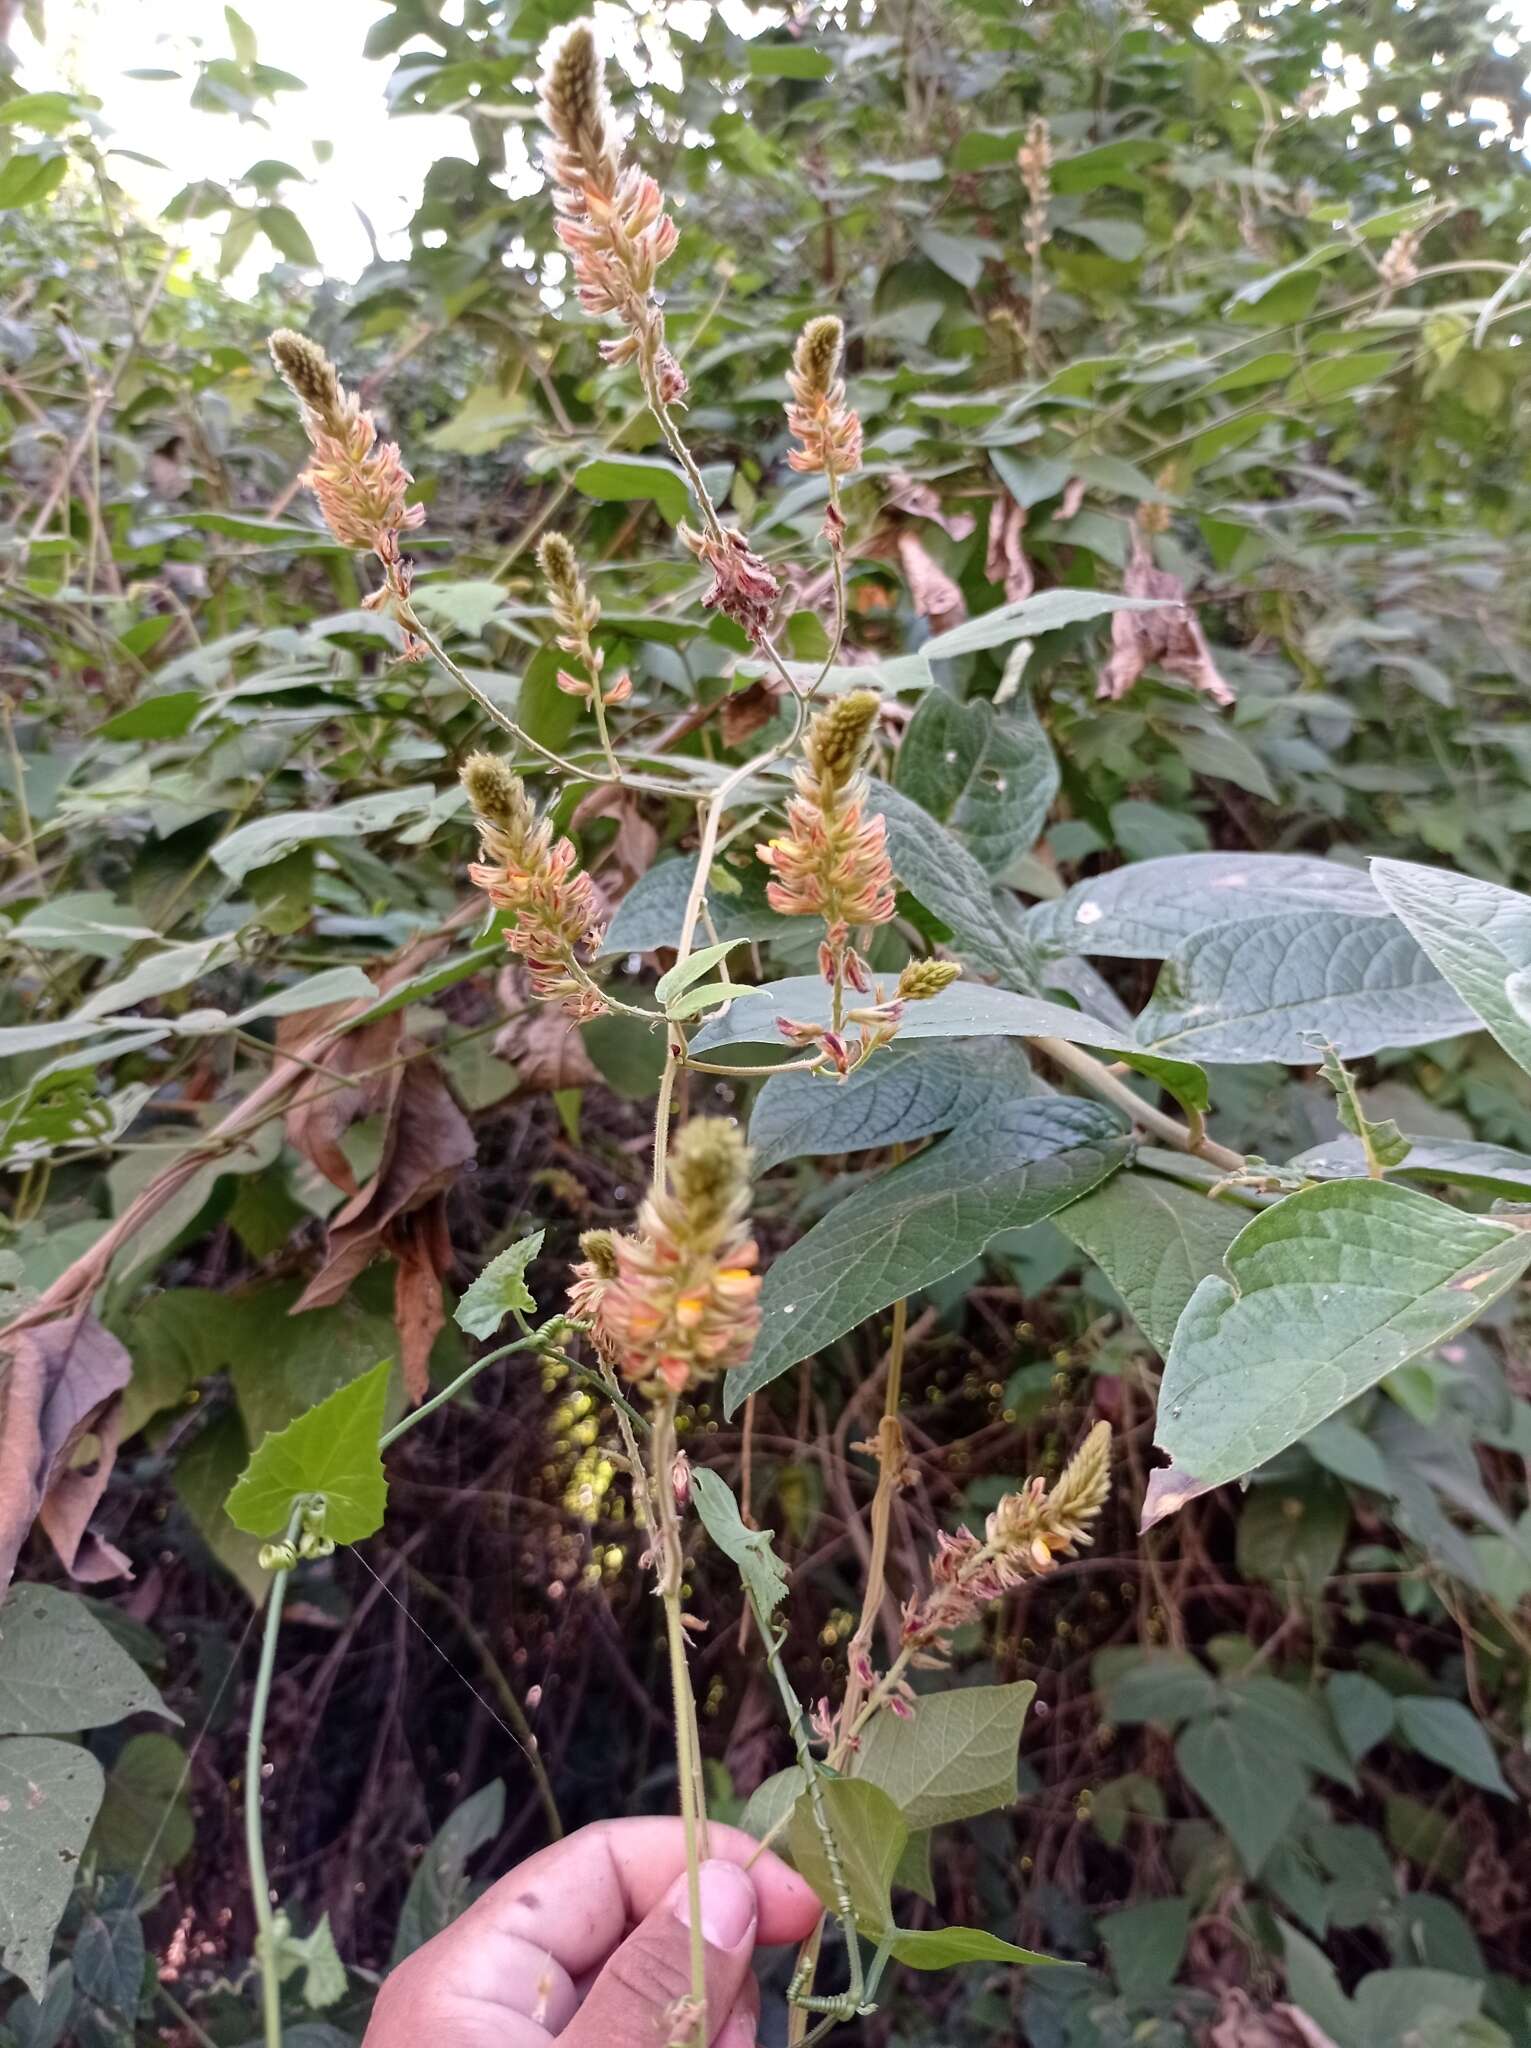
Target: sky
{"x":374,"y":163}
{"x":378,"y":162}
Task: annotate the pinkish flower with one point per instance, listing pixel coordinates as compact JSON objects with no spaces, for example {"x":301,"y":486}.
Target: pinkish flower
{"x":743,"y":587}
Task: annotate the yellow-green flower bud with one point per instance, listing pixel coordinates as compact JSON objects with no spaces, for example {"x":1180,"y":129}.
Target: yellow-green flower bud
{"x":922,"y":979}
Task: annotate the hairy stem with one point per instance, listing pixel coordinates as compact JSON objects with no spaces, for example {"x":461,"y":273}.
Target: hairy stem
{"x":255,"y":1848}
{"x":693,"y":1807}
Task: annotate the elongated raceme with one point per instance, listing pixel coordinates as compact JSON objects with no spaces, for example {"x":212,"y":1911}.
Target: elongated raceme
{"x":576,"y":614}
{"x":832,"y":860}
{"x":359,"y":481}
{"x":1023,"y":1538}
{"x":676,"y":1302}
{"x":611,"y":215}
{"x":524,"y":870}
{"x":830,"y":432}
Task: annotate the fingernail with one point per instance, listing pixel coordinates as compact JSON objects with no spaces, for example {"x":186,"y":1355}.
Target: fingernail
{"x":728,"y":1905}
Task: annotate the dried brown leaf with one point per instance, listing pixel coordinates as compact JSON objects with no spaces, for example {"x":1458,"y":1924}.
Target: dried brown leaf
{"x":540,"y":1041}
{"x":1171,"y":639}
{"x":934,"y":595}
{"x":1006,"y":561}
{"x":63,"y":1384}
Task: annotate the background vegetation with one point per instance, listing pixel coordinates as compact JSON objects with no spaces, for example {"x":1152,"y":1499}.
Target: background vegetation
{"x":1271,"y":314}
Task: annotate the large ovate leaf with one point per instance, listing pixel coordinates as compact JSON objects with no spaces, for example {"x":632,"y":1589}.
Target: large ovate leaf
{"x":968,"y":1009}
{"x":1155,"y":1240}
{"x":61,"y":1671}
{"x":1457,"y":1162}
{"x":1253,"y":1794}
{"x":1451,"y":1735}
{"x":49,"y":1795}
{"x":1264,"y":988}
{"x":1327,"y":1293}
{"x":955,"y":1757}
{"x":925,"y":1220}
{"x":1147,"y":909}
{"x":911,"y":1091}
{"x":934,"y":865}
{"x":333,"y":1451}
{"x":1477,"y":934}
{"x":869,"y":1835}
{"x":990,"y":776}
{"x":651,"y":913}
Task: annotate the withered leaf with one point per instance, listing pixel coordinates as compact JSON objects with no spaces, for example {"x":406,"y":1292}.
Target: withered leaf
{"x":63,"y":1383}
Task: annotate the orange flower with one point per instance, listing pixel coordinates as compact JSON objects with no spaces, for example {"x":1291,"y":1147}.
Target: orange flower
{"x":819,"y":416}
{"x":832,"y":861}
{"x":611,"y":215}
{"x":677,"y":1302}
{"x":524,"y":871}
{"x":359,"y":481}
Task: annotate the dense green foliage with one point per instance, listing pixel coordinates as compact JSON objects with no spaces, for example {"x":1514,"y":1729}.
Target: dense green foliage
{"x":1261,"y":337}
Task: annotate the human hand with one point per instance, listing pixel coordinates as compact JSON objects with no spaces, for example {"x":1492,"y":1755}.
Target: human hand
{"x":589,"y":1942}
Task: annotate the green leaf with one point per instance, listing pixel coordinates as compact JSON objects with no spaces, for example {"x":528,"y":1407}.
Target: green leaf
{"x":1382,"y":1144}
{"x":145,"y":1822}
{"x":627,"y":479}
{"x":1452,"y":1736}
{"x":486,"y":417}
{"x":440,"y":1888}
{"x":1458,"y":1162}
{"x":788,"y":60}
{"x":1156,"y":1241}
{"x":989,"y":776}
{"x":61,"y":1671}
{"x":937,"y":868}
{"x":1362,"y":1710}
{"x":750,"y":1549}
{"x":466,"y":606}
{"x":205,"y":1471}
{"x":1291,"y":1534}
{"x":332,"y":1450}
{"x":772,"y":1801}
{"x":1328,"y":1292}
{"x":108,"y":1958}
{"x":315,"y":1954}
{"x":286,"y":234}
{"x":267,"y":839}
{"x":924,"y":1220}
{"x":1478,"y":935}
{"x":967,"y":1009}
{"x":500,"y":1288}
{"x":940,"y":1948}
{"x":1146,"y":1945}
{"x":1147,"y":909}
{"x":1029,"y":617}
{"x":650,"y":914}
{"x":1337,"y":376}
{"x":910,"y":1091}
{"x":956,"y":1757}
{"x":314,"y":992}
{"x":164,"y":717}
{"x":690,"y":970}
{"x":1261,"y":990}
{"x":1252,"y":1794}
{"x":50,"y":1793}
{"x":47,"y":112}
{"x":1144,"y":1686}
{"x":869,"y":1834}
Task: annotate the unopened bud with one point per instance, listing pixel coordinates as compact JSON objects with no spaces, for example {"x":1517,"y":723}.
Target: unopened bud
{"x":922,"y":979}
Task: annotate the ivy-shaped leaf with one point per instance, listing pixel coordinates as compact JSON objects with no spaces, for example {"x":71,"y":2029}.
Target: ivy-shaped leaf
{"x":499,"y":1289}
{"x":333,"y":1451}
{"x":955,"y":1757}
{"x":924,"y":1220}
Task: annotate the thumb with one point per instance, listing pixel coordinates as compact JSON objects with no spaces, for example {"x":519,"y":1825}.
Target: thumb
{"x":633,"y":2003}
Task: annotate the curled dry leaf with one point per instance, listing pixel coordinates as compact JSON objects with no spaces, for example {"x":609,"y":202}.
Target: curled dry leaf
{"x":631,"y":853}
{"x":62,"y":1384}
{"x":427,"y":1142}
{"x":1006,"y":561}
{"x":919,"y":501}
{"x":1171,"y":639}
{"x":1241,"y":2024}
{"x":935,"y":596}
{"x":545,"y":1048}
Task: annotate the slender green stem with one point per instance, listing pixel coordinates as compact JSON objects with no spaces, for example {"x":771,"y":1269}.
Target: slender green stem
{"x":537,"y":1341}
{"x":255,"y":1850}
{"x":687,"y":1759}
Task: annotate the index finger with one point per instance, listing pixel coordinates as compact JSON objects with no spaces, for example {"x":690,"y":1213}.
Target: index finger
{"x":578,"y":1898}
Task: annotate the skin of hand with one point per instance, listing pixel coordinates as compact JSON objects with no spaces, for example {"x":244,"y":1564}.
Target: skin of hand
{"x":588,"y":1943}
